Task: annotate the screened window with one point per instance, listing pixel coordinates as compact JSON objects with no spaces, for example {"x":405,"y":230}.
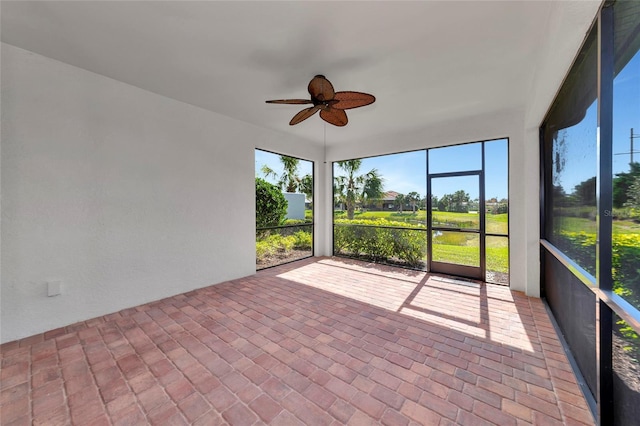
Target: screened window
{"x":626,"y":149}
{"x":586,"y":168}
{"x":284,"y":209}
{"x":570,"y":132}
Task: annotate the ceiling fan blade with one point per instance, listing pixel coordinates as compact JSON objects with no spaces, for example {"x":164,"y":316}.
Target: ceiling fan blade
{"x":304,"y":114}
{"x":290,"y":101}
{"x":321,"y":89}
{"x":348,"y":100}
{"x":337,"y":117}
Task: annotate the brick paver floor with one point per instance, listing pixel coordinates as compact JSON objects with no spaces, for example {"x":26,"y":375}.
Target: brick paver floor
{"x":321,"y":341}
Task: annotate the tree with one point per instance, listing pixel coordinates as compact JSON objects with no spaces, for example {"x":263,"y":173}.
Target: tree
{"x":501,"y":207}
{"x":444,"y":203}
{"x":288,"y":181}
{"x":622,"y":182}
{"x":633,"y":194}
{"x":456,"y":202}
{"x":413,"y":198}
{"x":435,"y":203}
{"x":460,"y":200}
{"x":271,"y":206}
{"x":339,"y":200}
{"x":399,"y":202}
{"x":372,"y":188}
{"x":352,"y":187}
{"x":560,"y":197}
{"x":584,"y":193}
{"x":306,"y":187}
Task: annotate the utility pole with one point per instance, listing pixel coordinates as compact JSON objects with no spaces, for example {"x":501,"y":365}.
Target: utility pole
{"x":632,"y":136}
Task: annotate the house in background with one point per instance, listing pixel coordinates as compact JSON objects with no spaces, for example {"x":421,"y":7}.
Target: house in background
{"x":129,"y":130}
{"x":386,"y":203}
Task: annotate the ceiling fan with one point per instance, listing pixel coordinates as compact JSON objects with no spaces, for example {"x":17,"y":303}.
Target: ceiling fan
{"x":330,"y":103}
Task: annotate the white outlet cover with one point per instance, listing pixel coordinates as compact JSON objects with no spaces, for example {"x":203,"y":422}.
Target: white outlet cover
{"x":53,"y":288}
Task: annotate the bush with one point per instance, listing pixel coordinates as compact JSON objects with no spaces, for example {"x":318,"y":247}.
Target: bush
{"x":275,"y":244}
{"x":580,"y":246}
{"x":303,"y":240}
{"x":626,"y":267}
{"x":367,"y":238}
{"x":271,"y":206}
{"x":626,"y":213}
{"x":264,"y":249}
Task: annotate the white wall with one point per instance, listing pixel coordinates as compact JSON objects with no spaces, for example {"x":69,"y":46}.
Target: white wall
{"x":125,"y":195}
{"x":295,"y":205}
{"x":122,"y":195}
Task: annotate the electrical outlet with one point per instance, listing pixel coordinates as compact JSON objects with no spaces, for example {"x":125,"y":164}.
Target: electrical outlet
{"x":53,"y":288}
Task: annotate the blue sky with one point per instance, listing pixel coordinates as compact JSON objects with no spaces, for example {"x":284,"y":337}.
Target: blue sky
{"x":402,"y":173}
{"x":581,"y":146}
{"x":626,"y":113}
{"x":273,"y":161}
{"x":406,"y":172}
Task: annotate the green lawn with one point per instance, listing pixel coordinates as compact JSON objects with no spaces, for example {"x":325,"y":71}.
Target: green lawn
{"x":496,"y":223}
{"x":579,"y":224}
{"x":455,"y":247}
{"x":461,"y":255}
{"x":462,"y":249}
{"x":497,"y":257}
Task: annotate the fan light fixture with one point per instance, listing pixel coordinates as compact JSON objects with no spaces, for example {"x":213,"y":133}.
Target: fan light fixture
{"x":330,"y":103}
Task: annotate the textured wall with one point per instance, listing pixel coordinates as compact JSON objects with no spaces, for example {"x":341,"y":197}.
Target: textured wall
{"x":122,"y":195}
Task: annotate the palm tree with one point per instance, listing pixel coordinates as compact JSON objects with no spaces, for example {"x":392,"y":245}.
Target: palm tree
{"x":288,"y":181}
{"x":413,"y":198}
{"x":372,"y":188}
{"x":352,"y":187}
{"x":305,"y":185}
{"x":399,"y":202}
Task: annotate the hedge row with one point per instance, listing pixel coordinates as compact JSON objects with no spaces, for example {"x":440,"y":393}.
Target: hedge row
{"x":367,"y":238}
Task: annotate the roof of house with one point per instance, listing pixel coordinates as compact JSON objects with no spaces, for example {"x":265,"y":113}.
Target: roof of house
{"x":390,"y":196}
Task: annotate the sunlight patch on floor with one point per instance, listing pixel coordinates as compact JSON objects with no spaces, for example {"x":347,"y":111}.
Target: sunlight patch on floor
{"x":480,"y":310}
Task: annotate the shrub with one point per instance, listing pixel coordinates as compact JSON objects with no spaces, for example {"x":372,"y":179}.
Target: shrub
{"x":580,"y":246}
{"x":275,"y":244}
{"x":286,"y":243}
{"x":367,"y":238}
{"x":409,"y":246}
{"x":264,"y":249}
{"x":626,"y":267}
{"x":625,"y":213}
{"x":271,"y":206}
{"x":303,"y":240}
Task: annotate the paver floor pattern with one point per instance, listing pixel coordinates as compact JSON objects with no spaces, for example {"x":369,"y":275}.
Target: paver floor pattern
{"x":321,"y":341}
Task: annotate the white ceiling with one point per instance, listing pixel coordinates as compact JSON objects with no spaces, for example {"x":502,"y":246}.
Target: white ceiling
{"x":426,"y":62}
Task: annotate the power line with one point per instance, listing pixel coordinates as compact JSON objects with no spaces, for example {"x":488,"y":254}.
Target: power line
{"x":632,"y":136}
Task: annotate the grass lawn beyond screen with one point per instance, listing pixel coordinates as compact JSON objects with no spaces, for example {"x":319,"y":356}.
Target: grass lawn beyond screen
{"x":453,"y":247}
{"x":496,"y":223}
